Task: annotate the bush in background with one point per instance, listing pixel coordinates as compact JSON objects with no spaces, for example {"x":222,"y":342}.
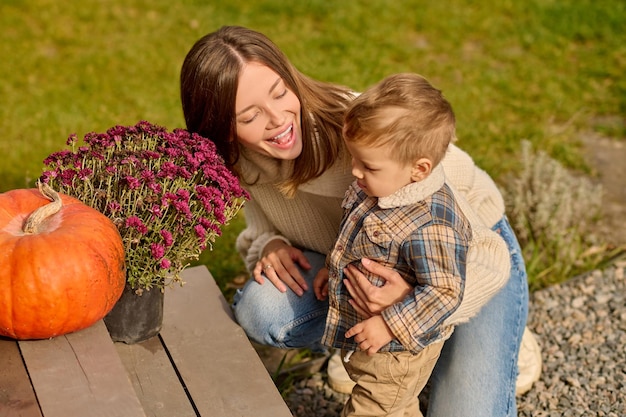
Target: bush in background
{"x":555,"y":215}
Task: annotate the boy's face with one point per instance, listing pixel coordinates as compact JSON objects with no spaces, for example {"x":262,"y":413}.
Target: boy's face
{"x":377,"y":173}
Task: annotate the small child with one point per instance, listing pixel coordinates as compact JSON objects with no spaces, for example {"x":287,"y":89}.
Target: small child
{"x":400,"y":212}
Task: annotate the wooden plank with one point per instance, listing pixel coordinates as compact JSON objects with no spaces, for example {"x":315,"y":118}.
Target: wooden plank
{"x":154,"y":379}
{"x":80,"y":374}
{"x":215,"y":359}
{"x":17,"y":398}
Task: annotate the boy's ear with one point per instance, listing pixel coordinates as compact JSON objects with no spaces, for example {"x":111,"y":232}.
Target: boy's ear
{"x":421,"y":169}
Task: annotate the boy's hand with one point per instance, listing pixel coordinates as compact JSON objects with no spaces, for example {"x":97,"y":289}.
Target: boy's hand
{"x":320,"y":284}
{"x":371,"y":334}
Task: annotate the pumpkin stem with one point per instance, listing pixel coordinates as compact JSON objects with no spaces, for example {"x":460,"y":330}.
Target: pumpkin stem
{"x":43,"y":212}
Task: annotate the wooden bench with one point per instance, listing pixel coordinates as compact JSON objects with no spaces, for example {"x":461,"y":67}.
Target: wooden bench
{"x":200,"y":365}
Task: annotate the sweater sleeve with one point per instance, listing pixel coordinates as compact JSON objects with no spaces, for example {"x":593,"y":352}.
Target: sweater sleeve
{"x":258,"y":232}
{"x":480,"y":191}
{"x":488,"y":266}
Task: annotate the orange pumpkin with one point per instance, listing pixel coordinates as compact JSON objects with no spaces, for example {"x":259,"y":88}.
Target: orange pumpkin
{"x":61,"y":264}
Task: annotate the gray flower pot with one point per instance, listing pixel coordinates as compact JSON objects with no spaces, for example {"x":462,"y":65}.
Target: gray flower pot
{"x":135,"y":318}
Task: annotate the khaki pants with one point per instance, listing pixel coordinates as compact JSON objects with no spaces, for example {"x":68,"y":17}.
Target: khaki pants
{"x":388,"y":383}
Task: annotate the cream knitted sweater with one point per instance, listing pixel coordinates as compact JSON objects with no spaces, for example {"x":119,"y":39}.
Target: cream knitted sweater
{"x":311,"y":219}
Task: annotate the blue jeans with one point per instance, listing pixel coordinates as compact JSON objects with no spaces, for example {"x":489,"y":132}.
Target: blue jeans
{"x":477,"y":370}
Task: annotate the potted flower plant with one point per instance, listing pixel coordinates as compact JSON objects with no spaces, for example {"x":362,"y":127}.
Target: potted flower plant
{"x":168,"y":193}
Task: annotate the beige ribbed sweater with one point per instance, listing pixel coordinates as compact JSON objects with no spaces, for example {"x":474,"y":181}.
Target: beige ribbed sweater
{"x":311,"y":219}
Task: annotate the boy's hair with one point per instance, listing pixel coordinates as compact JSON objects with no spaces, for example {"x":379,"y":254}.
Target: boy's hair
{"x":403,"y":111}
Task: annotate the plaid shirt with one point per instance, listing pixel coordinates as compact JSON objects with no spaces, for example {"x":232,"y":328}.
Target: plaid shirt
{"x":421,"y":233}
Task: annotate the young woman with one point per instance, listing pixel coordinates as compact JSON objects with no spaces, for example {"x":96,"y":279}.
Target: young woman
{"x":280,"y":131}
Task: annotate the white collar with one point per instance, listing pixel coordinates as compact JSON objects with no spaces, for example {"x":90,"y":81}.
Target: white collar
{"x":415,"y":191}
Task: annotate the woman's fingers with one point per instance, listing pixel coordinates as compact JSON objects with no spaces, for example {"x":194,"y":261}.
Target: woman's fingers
{"x":267,"y":270}
{"x":381,"y":271}
{"x":354,"y":284}
{"x":370,"y":298}
{"x":257,"y":273}
{"x":362,"y":291}
{"x":360,"y":310}
{"x":290,"y":270}
{"x":279,"y":268}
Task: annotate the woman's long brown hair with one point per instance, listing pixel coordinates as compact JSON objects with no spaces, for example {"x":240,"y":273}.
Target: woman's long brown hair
{"x":209,"y":80}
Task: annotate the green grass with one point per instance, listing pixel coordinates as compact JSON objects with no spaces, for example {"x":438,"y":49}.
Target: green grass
{"x":542,"y":70}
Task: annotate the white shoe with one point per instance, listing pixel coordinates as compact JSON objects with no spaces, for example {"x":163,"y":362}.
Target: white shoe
{"x":338,"y":378}
{"x":529,"y":363}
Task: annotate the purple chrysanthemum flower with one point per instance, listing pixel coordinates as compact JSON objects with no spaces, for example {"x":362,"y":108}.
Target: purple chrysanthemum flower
{"x":167,"y":192}
{"x":114,"y":207}
{"x":157,"y":250}
{"x":182,"y":207}
{"x":67,"y":177}
{"x":168,"y":170}
{"x":156,"y":211}
{"x":210,"y":225}
{"x":200,"y":232}
{"x":48,"y":176}
{"x":155,"y":187}
{"x":133,"y":183}
{"x":72,"y":139}
{"x":84,"y":173}
{"x":168,"y":239}
{"x":136,"y":223}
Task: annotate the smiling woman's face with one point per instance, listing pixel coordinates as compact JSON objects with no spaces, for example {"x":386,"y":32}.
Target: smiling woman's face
{"x":267,"y":113}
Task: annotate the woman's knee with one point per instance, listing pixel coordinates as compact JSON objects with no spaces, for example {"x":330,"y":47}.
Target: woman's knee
{"x":253,"y":309}
{"x":278,"y":319}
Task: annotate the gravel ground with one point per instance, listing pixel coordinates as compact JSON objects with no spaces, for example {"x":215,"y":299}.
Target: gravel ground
{"x":581,"y":327}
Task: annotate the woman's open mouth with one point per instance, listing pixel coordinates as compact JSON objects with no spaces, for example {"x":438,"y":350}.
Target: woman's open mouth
{"x":283,"y":139}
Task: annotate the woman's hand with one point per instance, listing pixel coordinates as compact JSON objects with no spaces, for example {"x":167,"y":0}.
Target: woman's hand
{"x":278,"y":264}
{"x":369,"y":300}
